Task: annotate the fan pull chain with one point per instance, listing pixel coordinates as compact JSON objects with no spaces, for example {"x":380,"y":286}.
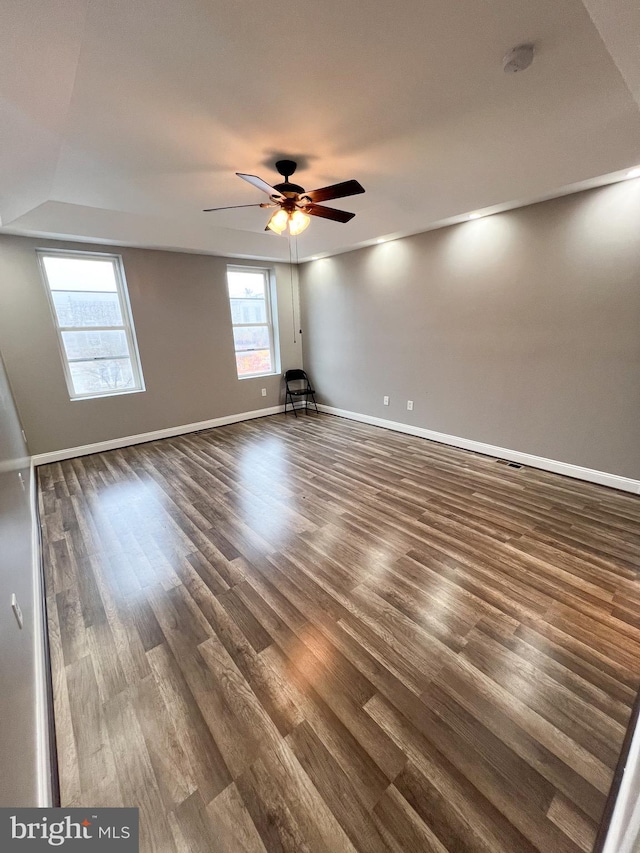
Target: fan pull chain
{"x":298,"y":282}
{"x":293,"y":307}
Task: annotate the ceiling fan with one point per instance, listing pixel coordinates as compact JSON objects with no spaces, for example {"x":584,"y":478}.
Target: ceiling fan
{"x":295,"y":205}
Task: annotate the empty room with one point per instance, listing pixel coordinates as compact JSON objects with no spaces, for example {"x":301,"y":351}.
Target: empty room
{"x":319,"y":426}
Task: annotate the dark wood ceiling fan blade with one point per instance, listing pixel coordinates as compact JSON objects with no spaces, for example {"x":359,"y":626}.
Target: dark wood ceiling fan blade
{"x":260,"y":184}
{"x":230,"y":207}
{"x":341,"y":190}
{"x":328,"y":212}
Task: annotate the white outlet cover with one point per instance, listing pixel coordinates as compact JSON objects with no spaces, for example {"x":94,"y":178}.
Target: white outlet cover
{"x":17,"y":612}
{"x":264,"y":392}
{"x":385,"y":401}
{"x":409,"y":405}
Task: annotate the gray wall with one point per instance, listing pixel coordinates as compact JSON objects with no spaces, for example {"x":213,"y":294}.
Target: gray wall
{"x":183,"y":326}
{"x":520,"y":330}
{"x":18,"y":673}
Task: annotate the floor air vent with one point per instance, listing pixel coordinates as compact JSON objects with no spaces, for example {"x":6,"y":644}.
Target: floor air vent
{"x":508,"y":464}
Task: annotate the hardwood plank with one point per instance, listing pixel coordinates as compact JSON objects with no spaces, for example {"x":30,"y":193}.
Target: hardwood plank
{"x":246,"y":621}
{"x":203,"y":756}
{"x":573,"y":822}
{"x":136,"y":776}
{"x":68,"y":769}
{"x":401,"y":826}
{"x":518,"y":731}
{"x":335,"y":789}
{"x":174,"y":777}
{"x":594,"y":730}
{"x":233,"y":829}
{"x":97,"y":767}
{"x":287,"y":793}
{"x":73,"y":632}
{"x":317,"y":635}
{"x":236,"y":752}
{"x":109,"y":674}
{"x":365,"y":775}
{"x":191,"y":826}
{"x":496,"y":807}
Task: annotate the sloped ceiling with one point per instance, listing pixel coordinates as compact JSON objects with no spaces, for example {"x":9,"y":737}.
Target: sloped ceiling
{"x":122,"y":120}
{"x":618,"y":22}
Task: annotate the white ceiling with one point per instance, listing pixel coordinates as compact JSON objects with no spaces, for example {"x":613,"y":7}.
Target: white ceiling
{"x":121,"y":120}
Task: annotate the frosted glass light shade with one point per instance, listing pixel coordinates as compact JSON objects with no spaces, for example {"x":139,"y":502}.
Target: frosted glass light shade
{"x":298,"y":222}
{"x":278,"y":221}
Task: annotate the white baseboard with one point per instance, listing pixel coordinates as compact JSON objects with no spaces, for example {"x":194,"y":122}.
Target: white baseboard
{"x":614,"y":481}
{"x":141,"y":438}
{"x":43,"y":744}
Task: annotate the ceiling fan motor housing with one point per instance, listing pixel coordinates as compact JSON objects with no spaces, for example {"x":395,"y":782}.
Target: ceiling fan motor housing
{"x":288,"y":189}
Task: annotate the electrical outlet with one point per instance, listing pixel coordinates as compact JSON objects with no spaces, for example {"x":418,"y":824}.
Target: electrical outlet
{"x":385,"y":401}
{"x":409,"y":405}
{"x":16,"y":611}
{"x":264,"y":392}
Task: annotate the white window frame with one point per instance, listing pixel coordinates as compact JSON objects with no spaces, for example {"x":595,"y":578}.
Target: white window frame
{"x":271,"y":324}
{"x":125,"y":311}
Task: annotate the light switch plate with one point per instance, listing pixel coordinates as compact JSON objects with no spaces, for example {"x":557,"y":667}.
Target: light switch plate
{"x":17,"y":612}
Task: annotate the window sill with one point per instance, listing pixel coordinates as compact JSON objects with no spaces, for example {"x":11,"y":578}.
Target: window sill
{"x":106,"y":396}
{"x":258,"y":376}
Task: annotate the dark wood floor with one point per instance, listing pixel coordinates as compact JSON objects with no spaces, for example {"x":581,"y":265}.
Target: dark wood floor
{"x":315,"y":635}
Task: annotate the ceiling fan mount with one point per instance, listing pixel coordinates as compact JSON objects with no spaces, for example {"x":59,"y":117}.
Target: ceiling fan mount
{"x":286,"y":168}
{"x":296,"y":206}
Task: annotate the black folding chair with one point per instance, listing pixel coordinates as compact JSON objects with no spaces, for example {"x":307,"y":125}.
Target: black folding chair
{"x":298,"y":391}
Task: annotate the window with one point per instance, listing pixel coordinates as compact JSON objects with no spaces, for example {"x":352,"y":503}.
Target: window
{"x":91,"y":311}
{"x":252,"y":318}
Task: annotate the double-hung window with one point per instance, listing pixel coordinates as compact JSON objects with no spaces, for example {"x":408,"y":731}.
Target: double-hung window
{"x":91,"y":312}
{"x":251,"y":299}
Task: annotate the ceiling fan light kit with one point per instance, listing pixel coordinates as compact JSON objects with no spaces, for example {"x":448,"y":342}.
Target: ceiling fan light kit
{"x":296,"y":206}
